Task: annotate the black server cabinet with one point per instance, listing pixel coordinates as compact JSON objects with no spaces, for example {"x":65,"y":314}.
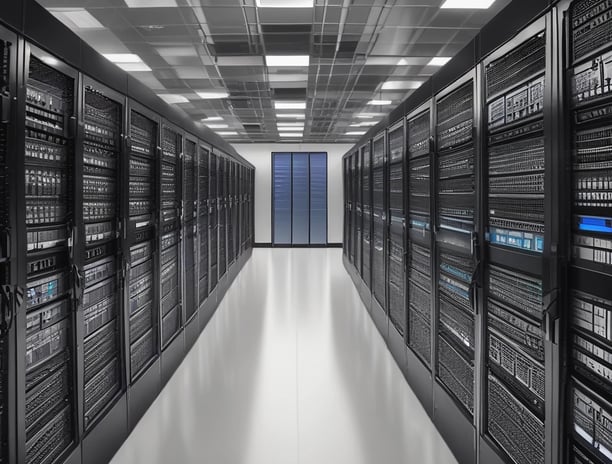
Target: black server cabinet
{"x":345,"y":184}
{"x":358,"y":211}
{"x":588,"y":57}
{"x":170,"y":306}
{"x":98,"y":259}
{"x":367,"y":216}
{"x":395,"y":253}
{"x":419,"y":265}
{"x":222,"y":202}
{"x":351,"y":206}
{"x":516,"y":363}
{"x":456,"y":264}
{"x":189,"y":274}
{"x":213,"y":224}
{"x":204,"y":212}
{"x":231,"y":223}
{"x":8,"y":265}
{"x":48,"y":408}
{"x":142,"y":262}
{"x":379,"y":226}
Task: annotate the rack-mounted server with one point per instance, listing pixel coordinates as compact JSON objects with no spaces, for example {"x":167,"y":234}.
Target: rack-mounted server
{"x":395,"y":248}
{"x":204,"y":215}
{"x":213,"y":221}
{"x":101,"y":254}
{"x":589,"y":335}
{"x":190,"y":179}
{"x":379,"y":221}
{"x":366,"y":216}
{"x":456,"y":264}
{"x":50,"y":124}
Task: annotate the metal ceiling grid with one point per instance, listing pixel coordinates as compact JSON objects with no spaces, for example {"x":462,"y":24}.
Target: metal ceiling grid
{"x":354,"y":48}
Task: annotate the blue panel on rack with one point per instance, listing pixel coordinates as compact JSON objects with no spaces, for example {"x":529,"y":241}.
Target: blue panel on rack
{"x":318,"y":198}
{"x":282,"y":198}
{"x":301,"y":201}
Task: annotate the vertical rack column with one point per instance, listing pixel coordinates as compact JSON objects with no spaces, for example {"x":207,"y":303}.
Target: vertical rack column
{"x":397,"y":225}
{"x":50,"y":393}
{"x":419,"y":267}
{"x":189,"y":267}
{"x":142,"y":296}
{"x":379,"y":214}
{"x":366,"y":228}
{"x":513,"y":377}
{"x":213,"y":224}
{"x":203,"y":211}
{"x":101,"y":256}
{"x":222,"y":202}
{"x":170,"y":311}
{"x":589,"y":326}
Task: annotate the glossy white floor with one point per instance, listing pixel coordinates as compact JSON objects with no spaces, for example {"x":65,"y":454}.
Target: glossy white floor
{"x":290,"y":369}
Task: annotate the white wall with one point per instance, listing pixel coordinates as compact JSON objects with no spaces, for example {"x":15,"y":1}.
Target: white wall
{"x":260,"y":156}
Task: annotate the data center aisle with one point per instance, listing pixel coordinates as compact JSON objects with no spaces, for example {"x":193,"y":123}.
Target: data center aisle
{"x":290,"y":369}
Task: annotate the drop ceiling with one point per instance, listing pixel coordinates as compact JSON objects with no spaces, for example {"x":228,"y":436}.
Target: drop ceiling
{"x":358,"y":51}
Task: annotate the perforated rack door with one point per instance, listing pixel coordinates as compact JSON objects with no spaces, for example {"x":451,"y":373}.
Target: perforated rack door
{"x":47,"y":399}
{"x":588,"y":36}
{"x":99,"y":255}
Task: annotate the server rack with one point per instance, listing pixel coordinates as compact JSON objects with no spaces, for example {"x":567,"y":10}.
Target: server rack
{"x":379,"y":230}
{"x":516,"y":361}
{"x":456,"y":261}
{"x":222,"y":203}
{"x":48,"y":410}
{"x":190,"y":240}
{"x":358,"y":210}
{"x":366,"y":227}
{"x":419,"y":274}
{"x":351,"y":207}
{"x":8,"y":265}
{"x":213,"y":225}
{"x":170,"y":309}
{"x":99,"y":265}
{"x":205,"y":248}
{"x":588,"y":61}
{"x":395,"y":252}
{"x":142,"y":259}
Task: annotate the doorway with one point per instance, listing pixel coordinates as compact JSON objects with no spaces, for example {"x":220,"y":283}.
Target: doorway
{"x":299,"y":199}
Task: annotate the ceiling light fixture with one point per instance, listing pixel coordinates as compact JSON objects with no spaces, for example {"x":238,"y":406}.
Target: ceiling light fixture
{"x":151,"y":3}
{"x":468,"y":4}
{"x":355,"y":133}
{"x":439,"y":61}
{"x":122,"y":57}
{"x":289,"y":124}
{"x":380,"y":102}
{"x":401,"y":85}
{"x":291,"y":115}
{"x":289,"y":129}
{"x":212,"y":118}
{"x":217,"y":126}
{"x":368,"y":123}
{"x":285,"y":61}
{"x":212,"y":94}
{"x":289,"y":105}
{"x":227,"y":133}
{"x":78,"y":17}
{"x":172,"y":98}
{"x":291,"y":134}
{"x":284,"y":3}
{"x":132,"y":67}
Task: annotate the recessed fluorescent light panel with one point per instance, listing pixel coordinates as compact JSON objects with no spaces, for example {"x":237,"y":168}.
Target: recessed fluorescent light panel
{"x":131,"y":67}
{"x":217,"y":126}
{"x":227,"y":133}
{"x":172,"y":98}
{"x":291,"y":116}
{"x":401,"y":85}
{"x":468,"y":4}
{"x":151,"y":3}
{"x":380,"y":102}
{"x":355,"y":133}
{"x":212,"y":94}
{"x":291,"y":134}
{"x":439,"y":61}
{"x":289,"y":129}
{"x":284,"y":3}
{"x":122,"y":57}
{"x":285,"y":61}
{"x":289,"y":124}
{"x":289,"y":105}
{"x":213,"y":118}
{"x":78,"y":18}
{"x":368,"y":123}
